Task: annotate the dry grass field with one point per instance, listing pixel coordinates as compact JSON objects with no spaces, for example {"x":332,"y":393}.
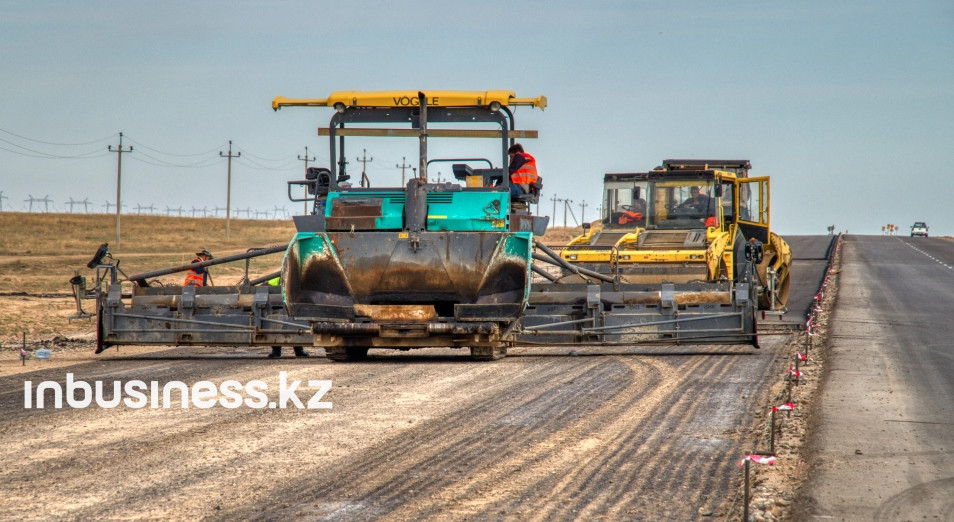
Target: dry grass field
{"x":39,"y":253}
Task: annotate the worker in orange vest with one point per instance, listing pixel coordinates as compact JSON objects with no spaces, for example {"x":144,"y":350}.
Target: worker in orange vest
{"x":523,"y":170}
{"x":198,"y":276}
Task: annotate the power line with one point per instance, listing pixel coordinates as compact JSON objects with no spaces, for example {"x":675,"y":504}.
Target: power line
{"x":173,"y":153}
{"x":41,"y":154}
{"x":285,"y":159}
{"x":52,"y":143}
{"x":288,"y":165}
{"x":207,"y":162}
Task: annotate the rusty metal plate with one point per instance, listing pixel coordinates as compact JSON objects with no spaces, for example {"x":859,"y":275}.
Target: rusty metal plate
{"x":396,"y":312}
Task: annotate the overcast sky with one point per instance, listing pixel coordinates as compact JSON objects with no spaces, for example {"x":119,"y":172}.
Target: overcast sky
{"x":848,"y":106}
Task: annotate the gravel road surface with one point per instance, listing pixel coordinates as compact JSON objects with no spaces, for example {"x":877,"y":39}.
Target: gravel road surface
{"x":618,"y":434}
{"x":633,"y":433}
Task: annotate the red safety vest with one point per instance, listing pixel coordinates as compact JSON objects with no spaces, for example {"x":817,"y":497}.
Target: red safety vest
{"x":527,"y":173}
{"x":194,"y":278}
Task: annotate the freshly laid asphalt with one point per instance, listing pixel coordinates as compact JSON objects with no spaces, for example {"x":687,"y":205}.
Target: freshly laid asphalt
{"x":882,"y":446}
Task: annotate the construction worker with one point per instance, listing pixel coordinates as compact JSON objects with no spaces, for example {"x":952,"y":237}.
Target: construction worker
{"x":697,"y":201}
{"x":277,"y":350}
{"x":523,"y":170}
{"x":198,"y":276}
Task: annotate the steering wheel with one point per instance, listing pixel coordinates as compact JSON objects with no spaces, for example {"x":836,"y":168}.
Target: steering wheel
{"x":627,"y":207}
{"x":687,"y":212}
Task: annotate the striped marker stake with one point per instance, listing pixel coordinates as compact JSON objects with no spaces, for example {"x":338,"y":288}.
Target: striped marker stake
{"x":810,"y":329}
{"x":793,"y":373}
{"x":758,"y":459}
{"x":788,"y":407}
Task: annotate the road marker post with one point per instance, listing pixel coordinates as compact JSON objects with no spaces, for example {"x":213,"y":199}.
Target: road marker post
{"x":759,"y":459}
{"x":787,"y":407}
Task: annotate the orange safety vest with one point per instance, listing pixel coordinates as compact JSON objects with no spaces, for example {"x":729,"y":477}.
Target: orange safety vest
{"x":194,"y":278}
{"x":527,"y":173}
{"x":629,"y":217}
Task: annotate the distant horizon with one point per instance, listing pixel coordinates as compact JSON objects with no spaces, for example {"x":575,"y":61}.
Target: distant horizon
{"x":550,"y":227}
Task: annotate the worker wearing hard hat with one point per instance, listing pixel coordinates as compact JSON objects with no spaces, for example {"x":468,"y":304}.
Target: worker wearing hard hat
{"x":198,"y":276}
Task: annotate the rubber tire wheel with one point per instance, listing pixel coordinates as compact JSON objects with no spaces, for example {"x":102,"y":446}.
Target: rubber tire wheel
{"x":346,"y":353}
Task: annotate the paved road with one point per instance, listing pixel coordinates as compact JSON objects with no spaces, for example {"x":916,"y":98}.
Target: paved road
{"x":884,"y":439}
{"x":809,"y":263}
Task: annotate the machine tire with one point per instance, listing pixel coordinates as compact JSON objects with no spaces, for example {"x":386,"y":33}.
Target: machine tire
{"x":488,"y":353}
{"x":346,"y":353}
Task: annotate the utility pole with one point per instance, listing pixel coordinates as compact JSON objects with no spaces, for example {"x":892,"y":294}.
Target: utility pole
{"x":583,"y":206}
{"x":402,"y":166}
{"x":364,"y":159}
{"x":2,"y":197}
{"x":554,"y":199}
{"x":228,"y":190}
{"x":306,"y":159}
{"x":119,"y":176}
{"x":566,"y":206}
